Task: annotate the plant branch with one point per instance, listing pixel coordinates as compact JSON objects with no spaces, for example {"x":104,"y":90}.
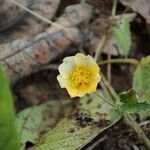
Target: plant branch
{"x":100,"y":46}
{"x":112,"y":92}
{"x":37,"y":15}
{"x":120,"y":60}
{"x":137,"y":129}
{"x":114,"y":7}
{"x":110,"y":45}
{"x":110,"y":89}
{"x":128,"y":118}
{"x":106,"y":36}
{"x":105,"y":100}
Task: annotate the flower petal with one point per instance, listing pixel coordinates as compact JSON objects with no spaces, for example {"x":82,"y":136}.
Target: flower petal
{"x":63,"y":82}
{"x":67,"y":66}
{"x":81,"y":59}
{"x":75,"y":93}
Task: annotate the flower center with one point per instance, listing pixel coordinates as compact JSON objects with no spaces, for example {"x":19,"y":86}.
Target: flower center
{"x":79,"y":77}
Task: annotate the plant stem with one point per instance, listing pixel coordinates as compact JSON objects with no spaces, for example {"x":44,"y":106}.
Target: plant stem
{"x":120,"y":60}
{"x":38,"y":16}
{"x":128,"y":118}
{"x":106,"y":36}
{"x":114,"y":7}
{"x":137,"y":129}
{"x":105,"y":100}
{"x":112,"y":92}
{"x":100,"y":46}
{"x":110,"y":89}
{"x":110,"y":45}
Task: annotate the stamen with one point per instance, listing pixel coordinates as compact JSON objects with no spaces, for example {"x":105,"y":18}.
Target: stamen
{"x":80,"y":77}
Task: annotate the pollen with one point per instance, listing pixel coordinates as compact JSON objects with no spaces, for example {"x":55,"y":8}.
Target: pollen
{"x":80,"y":77}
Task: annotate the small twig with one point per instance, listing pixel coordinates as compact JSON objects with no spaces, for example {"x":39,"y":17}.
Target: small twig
{"x":106,"y":92}
{"x":96,"y":143}
{"x":105,"y":100}
{"x":114,"y":7}
{"x":144,"y":123}
{"x":135,"y":147}
{"x":100,"y":46}
{"x":50,"y":67}
{"x":110,"y":43}
{"x":137,"y":128}
{"x":110,"y":89}
{"x":127,"y":16}
{"x":37,"y":15}
{"x":109,"y":58}
{"x":120,"y":60}
{"x":106,"y":36}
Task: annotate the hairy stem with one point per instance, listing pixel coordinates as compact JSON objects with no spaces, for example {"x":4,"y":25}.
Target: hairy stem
{"x":110,"y":89}
{"x":37,"y":15}
{"x":100,"y":46}
{"x":120,"y":60}
{"x":110,"y":45}
{"x":113,"y":12}
{"x":129,"y":119}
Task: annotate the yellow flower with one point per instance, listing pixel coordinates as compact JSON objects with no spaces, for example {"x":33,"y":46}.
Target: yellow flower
{"x":79,"y":74}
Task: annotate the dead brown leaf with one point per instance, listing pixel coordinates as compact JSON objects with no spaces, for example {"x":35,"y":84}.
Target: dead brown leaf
{"x":140,"y":6}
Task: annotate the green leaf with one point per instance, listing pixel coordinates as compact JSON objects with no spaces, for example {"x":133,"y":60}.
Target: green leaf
{"x":115,"y":114}
{"x":129,"y":107}
{"x":134,"y":107}
{"x":68,"y":135}
{"x":130,"y":102}
{"x":143,"y":106}
{"x":123,"y":36}
{"x":37,"y":120}
{"x":75,"y":131}
{"x":141,"y":82}
{"x":9,"y":137}
{"x":129,"y":96}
